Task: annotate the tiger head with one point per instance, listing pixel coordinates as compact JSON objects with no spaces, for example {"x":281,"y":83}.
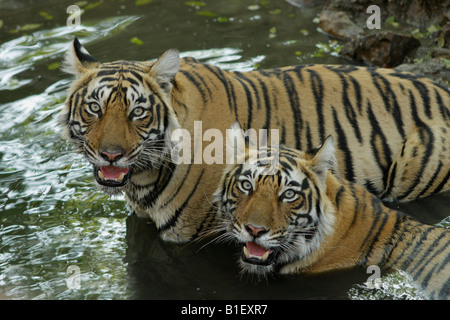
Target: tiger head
{"x":119,"y":114}
{"x":276,"y":216}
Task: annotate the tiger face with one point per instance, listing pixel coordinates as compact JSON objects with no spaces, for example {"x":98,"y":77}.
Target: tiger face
{"x":280,"y":217}
{"x":118,"y":114}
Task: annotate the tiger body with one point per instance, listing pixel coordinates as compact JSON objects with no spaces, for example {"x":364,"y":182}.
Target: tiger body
{"x":392,"y":129}
{"x":302,"y":219}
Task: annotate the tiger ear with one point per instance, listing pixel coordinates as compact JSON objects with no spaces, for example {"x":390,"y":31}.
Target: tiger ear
{"x":324,"y":159}
{"x":235,"y":144}
{"x":78,"y":60}
{"x":166,"y":67}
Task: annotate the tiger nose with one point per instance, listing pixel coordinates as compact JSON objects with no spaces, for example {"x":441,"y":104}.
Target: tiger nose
{"x":111,"y":156}
{"x":255,"y":231}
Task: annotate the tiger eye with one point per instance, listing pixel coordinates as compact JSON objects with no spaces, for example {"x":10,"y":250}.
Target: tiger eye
{"x":245,"y":185}
{"x":94,"y":107}
{"x":139,"y":111}
{"x":288,"y":194}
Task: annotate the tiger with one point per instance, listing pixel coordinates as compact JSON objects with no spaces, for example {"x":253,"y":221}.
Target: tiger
{"x":392,"y":128}
{"x":290,"y":214}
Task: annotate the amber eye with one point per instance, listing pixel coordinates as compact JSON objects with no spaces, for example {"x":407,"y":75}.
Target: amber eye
{"x":94,"y":108}
{"x":137,"y":112}
{"x":245,"y":186}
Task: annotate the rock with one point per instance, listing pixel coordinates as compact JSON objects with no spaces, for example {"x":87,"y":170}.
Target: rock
{"x":339,"y":25}
{"x":419,"y":13}
{"x":445,"y":36}
{"x":433,"y":68}
{"x":384,"y":49}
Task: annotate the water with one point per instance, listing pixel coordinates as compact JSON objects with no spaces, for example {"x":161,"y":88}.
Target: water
{"x":55,"y":225}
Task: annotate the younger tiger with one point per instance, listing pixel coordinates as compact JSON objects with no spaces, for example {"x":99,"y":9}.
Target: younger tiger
{"x":298,"y":217}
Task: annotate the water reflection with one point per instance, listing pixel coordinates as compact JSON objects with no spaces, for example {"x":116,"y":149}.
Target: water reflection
{"x":159,"y":270}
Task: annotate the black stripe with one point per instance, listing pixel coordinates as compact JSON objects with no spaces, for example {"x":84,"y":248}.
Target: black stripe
{"x":378,"y":133}
{"x":294,"y":103}
{"x":423,"y":91}
{"x":339,"y":193}
{"x":317,"y":88}
{"x":174,"y":219}
{"x":413,"y":106}
{"x":416,"y":250}
{"x":368,"y":236}
{"x":248,"y":95}
{"x":196,"y":84}
{"x":443,"y":183}
{"x":358,"y":97}
{"x":390,"y":101}
{"x":267,"y":105}
{"x":429,"y":255}
{"x":428,"y":143}
{"x":432,"y":180}
{"x":390,"y":184}
{"x":181,"y":183}
{"x":135,"y":74}
{"x":349,"y":110}
{"x":377,"y":205}
{"x":211,"y":216}
{"x":396,"y":236}
{"x":444,"y":110}
{"x":309,"y":142}
{"x":343,"y":145}
{"x":219,"y":74}
{"x":445,"y":289}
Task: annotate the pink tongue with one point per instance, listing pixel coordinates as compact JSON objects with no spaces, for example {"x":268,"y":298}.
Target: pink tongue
{"x":255,"y":249}
{"x":111,"y":172}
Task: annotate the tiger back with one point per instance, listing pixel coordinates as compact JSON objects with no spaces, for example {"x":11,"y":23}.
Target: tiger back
{"x":392,"y":129}
{"x":301,"y":218}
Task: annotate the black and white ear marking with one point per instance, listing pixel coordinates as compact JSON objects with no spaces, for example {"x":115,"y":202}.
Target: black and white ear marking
{"x":165,"y":68}
{"x":78,"y":60}
{"x":324,"y":159}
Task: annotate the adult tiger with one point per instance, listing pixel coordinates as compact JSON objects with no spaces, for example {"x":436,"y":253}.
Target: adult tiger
{"x":392,"y":128}
{"x":290,"y":214}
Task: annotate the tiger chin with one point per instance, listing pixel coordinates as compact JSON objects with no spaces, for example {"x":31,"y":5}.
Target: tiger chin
{"x":302,"y":218}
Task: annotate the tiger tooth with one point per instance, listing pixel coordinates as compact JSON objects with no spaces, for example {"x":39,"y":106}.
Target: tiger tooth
{"x":100,"y":175}
{"x":265,"y":256}
{"x":246,"y":252}
{"x":120,"y":178}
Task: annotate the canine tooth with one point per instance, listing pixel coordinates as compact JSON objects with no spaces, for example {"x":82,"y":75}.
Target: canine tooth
{"x":120,"y":178}
{"x":246,"y":252}
{"x":100,"y":175}
{"x":265,"y":256}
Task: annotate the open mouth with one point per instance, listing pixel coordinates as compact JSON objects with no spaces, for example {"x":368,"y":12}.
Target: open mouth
{"x":255,"y":254}
{"x":112,"y":176}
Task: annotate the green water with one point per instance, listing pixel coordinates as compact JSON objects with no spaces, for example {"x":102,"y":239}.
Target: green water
{"x":55,"y":225}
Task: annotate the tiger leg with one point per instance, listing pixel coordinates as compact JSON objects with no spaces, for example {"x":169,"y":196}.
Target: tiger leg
{"x":422,"y":167}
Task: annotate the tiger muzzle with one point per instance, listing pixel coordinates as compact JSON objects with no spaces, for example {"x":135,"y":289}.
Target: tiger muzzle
{"x":112,"y":176}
